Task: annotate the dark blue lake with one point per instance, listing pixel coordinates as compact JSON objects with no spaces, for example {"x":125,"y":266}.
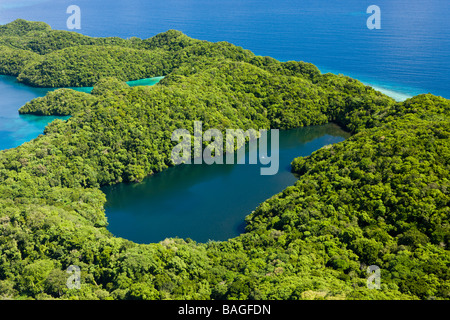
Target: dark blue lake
{"x":207,"y":202}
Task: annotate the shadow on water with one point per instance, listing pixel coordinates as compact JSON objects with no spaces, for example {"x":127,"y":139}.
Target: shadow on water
{"x":207,"y":202}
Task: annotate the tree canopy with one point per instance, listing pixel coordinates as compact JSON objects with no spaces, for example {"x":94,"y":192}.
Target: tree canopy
{"x":381,"y":197}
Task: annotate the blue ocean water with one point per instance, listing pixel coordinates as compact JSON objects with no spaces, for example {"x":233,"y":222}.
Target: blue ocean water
{"x":409,"y":55}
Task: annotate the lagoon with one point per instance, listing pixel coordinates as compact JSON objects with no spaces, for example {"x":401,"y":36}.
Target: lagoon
{"x":16,"y":129}
{"x":207,"y":202}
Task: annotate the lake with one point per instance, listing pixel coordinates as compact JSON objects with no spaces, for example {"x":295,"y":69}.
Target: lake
{"x":200,"y":202}
{"x":207,"y":202}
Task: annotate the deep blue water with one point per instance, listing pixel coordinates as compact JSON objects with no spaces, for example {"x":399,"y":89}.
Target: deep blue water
{"x":207,"y":202}
{"x":410,"y":54}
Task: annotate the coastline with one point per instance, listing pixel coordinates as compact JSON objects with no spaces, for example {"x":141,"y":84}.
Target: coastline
{"x":396,"y":95}
{"x":396,"y":91}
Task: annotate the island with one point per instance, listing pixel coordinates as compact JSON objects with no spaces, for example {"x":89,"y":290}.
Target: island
{"x":379,"y":198}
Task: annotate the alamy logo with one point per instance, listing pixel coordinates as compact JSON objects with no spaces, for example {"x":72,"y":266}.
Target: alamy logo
{"x":214,"y":151}
{"x":374,"y":279}
{"x":374,"y":21}
{"x":74,"y":281}
{"x":74,"y":21}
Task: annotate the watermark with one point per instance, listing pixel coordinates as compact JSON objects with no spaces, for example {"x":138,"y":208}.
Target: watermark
{"x":74,"y":21}
{"x":74,"y":281}
{"x":374,"y":21}
{"x":235,"y":139}
{"x":226,"y":309}
{"x":374,"y":279}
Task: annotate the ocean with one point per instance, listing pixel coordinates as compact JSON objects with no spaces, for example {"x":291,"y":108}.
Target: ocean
{"x":409,"y":55}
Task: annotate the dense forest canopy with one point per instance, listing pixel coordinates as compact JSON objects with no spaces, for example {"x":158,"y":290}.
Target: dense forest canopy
{"x":379,"y":198}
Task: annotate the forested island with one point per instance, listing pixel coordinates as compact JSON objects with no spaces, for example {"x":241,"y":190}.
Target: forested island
{"x":379,"y":198}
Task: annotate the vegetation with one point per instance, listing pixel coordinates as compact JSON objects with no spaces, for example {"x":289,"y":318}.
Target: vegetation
{"x":61,"y":102}
{"x":380,"y":197}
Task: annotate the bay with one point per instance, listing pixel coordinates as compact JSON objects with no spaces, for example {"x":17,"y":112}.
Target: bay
{"x":207,"y":202}
{"x":16,"y":129}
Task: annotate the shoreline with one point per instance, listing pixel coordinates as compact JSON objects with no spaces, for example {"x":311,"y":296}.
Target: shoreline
{"x":396,"y":91}
{"x":396,"y":95}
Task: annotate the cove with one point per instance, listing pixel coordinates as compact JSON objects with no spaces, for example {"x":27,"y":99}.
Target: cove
{"x":16,"y":129}
{"x":207,"y":202}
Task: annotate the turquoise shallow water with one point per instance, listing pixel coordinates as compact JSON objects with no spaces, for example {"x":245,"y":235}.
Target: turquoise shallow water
{"x":135,"y":83}
{"x":15,"y":129}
